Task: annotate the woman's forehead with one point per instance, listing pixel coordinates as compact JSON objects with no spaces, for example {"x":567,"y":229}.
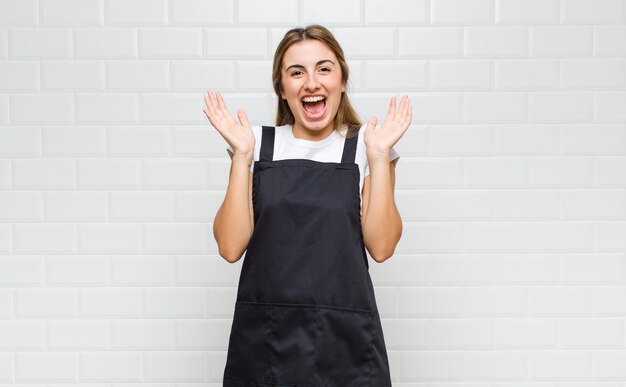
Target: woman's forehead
{"x":307,"y":52}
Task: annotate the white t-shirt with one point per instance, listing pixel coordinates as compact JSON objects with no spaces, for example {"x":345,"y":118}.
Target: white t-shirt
{"x":330,"y":149}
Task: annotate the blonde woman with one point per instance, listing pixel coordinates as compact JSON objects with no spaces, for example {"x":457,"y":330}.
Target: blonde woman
{"x":305,"y":313}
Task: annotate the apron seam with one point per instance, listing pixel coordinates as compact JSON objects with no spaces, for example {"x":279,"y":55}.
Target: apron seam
{"x":298,"y":305}
{"x":266,"y":383}
{"x":269,"y":338}
{"x":317,"y":338}
{"x":371,"y":349}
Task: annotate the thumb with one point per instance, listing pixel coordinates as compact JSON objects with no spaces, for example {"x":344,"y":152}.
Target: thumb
{"x":372,"y":123}
{"x":243,"y":118}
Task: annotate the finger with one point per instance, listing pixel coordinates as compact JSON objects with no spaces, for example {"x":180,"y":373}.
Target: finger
{"x":402,"y":108}
{"x":243,"y":118}
{"x":210,"y":109}
{"x":392,"y":108}
{"x":207,"y":101}
{"x":222,"y":102}
{"x":407,"y":108}
{"x":214,"y":102}
{"x":214,"y":122}
{"x":372,"y":123}
{"x":409,"y":116}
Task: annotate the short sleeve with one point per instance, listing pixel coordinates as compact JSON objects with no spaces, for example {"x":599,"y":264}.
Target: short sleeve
{"x":393,"y":155}
{"x":257,"y":136}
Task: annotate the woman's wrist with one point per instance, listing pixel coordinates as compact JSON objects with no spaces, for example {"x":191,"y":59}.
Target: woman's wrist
{"x":378,"y":156}
{"x":242,"y":159}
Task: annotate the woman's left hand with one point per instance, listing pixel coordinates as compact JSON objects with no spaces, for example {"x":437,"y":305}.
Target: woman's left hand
{"x":379,"y":141}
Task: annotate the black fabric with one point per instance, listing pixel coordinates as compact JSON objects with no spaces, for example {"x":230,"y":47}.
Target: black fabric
{"x":305,"y":313}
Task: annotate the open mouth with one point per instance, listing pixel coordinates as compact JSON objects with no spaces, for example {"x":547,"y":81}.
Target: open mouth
{"x":314,"y":107}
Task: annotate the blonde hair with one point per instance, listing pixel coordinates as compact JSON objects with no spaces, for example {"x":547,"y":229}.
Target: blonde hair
{"x":346,"y":115}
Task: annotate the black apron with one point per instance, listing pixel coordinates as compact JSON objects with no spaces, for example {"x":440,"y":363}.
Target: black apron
{"x":305,"y":313}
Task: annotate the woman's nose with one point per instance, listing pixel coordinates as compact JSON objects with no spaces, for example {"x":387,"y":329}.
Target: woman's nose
{"x":312,"y":82}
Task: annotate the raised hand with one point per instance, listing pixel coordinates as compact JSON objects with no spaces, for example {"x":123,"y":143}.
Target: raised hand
{"x":379,"y":141}
{"x":238,"y":135}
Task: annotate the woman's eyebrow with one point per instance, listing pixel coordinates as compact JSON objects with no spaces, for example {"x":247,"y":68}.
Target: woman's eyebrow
{"x":317,"y":64}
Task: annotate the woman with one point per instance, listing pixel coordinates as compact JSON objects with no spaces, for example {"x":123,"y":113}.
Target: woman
{"x":305,"y":313}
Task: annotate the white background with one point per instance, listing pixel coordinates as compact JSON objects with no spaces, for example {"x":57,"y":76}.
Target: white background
{"x":511,"y":184}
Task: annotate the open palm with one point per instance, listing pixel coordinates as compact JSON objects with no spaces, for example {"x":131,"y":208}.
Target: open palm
{"x":238,"y":135}
{"x":381,"y":140}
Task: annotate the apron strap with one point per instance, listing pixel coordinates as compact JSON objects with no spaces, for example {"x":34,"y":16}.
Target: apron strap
{"x":349,"y":149}
{"x":267,"y":144}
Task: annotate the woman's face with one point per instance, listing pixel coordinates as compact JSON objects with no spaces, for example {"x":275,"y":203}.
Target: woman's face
{"x":310,"y":68}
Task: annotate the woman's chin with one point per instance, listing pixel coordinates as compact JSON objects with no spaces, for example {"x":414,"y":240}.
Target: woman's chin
{"x":314,"y":125}
{"x":319,"y":124}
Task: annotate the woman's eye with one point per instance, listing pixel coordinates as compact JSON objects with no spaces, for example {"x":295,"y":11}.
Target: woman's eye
{"x":298,"y":72}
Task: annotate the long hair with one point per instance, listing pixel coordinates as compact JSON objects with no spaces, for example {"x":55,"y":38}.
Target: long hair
{"x":346,"y":115}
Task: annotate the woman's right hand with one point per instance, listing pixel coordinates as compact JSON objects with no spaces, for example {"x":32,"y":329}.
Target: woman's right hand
{"x":238,"y":135}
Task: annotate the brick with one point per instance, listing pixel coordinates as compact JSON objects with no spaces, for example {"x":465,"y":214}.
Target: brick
{"x":269,"y":11}
{"x":74,"y":12}
{"x":406,"y":75}
{"x":171,"y":42}
{"x":430,"y":42}
{"x":136,"y":12}
{"x":111,"y":366}
{"x":592,"y":11}
{"x":109,"y":238}
{"x":53,"y":108}
{"x":137,"y":75}
{"x":18,"y":13}
{"x":594,"y":74}
{"x":460,"y":11}
{"x":20,"y":141}
{"x":141,"y":270}
{"x":110,"y":173}
{"x":73,"y":335}
{"x":202,"y":12}
{"x":21,"y":271}
{"x":534,"y":139}
{"x":526,"y":74}
{"x":46,"y":367}
{"x":139,"y":140}
{"x":141,"y":205}
{"x":46,"y":238}
{"x":561,"y":236}
{"x":460,"y":75}
{"x":74,"y":141}
{"x":557,"y":41}
{"x":106,"y":43}
{"x":235,"y":42}
{"x":19,"y":75}
{"x":499,"y":42}
{"x":527,"y":11}
{"x":316,"y":11}
{"x":39,"y":43}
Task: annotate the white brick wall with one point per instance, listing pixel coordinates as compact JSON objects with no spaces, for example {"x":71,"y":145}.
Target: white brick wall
{"x":512,"y":186}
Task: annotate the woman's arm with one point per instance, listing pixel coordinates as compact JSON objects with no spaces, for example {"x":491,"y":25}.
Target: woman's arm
{"x":381,"y":222}
{"x":234,"y":221}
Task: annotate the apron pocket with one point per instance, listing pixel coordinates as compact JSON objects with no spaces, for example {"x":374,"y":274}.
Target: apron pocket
{"x":248,"y":345}
{"x":292,"y":340}
{"x":344,"y":347}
